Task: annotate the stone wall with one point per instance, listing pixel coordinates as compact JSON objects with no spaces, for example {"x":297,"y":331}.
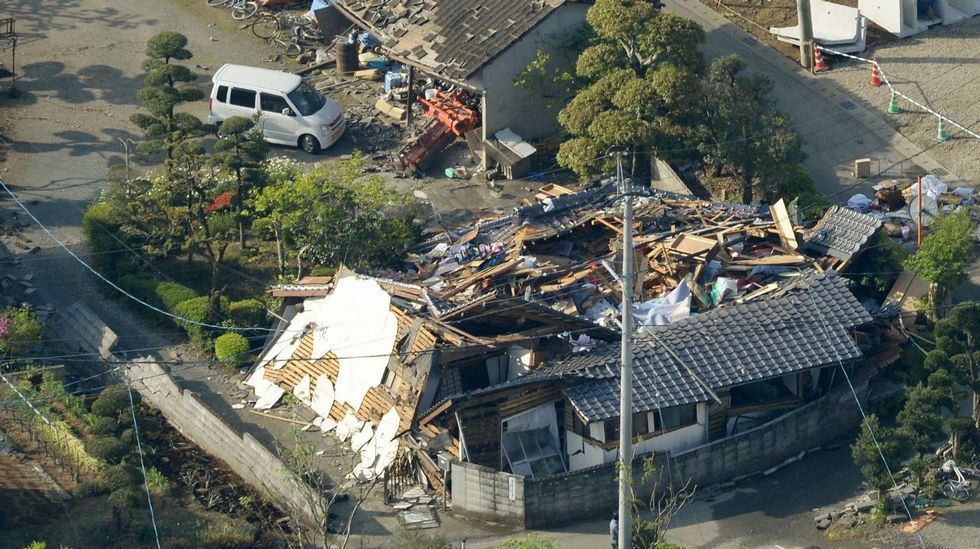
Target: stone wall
{"x":592,"y":492}
{"x":482,"y":493}
{"x":244,"y":455}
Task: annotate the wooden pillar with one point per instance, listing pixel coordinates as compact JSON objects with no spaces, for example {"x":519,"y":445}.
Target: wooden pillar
{"x":410,"y":99}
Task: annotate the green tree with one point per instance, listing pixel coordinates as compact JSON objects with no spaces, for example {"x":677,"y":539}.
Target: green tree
{"x":643,"y":83}
{"x":335,"y":215}
{"x":122,"y":500}
{"x":957,"y":352}
{"x":20,"y":331}
{"x":166,"y":89}
{"x":921,"y":418}
{"x":944,"y":255}
{"x":878,"y":266}
{"x":867,"y":457}
{"x":742,"y":129}
{"x":109,"y":449}
{"x":241,"y":150}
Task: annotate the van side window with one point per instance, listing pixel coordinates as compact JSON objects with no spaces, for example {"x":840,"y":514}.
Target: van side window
{"x":272,"y":103}
{"x":222,"y":94}
{"x":243,"y":98}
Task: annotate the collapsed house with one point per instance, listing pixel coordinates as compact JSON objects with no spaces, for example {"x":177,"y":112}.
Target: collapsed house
{"x":495,"y":344}
{"x":481,"y":47}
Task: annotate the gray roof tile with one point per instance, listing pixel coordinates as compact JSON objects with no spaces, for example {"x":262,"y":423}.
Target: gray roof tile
{"x":841,"y":232}
{"x":808,"y":326}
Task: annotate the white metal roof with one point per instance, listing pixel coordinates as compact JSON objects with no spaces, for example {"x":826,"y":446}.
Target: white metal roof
{"x":257,"y":78}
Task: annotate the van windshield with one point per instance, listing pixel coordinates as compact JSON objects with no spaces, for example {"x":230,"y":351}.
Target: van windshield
{"x":306,"y":99}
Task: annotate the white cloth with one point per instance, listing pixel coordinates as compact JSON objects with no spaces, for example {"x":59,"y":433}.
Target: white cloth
{"x":663,"y":310}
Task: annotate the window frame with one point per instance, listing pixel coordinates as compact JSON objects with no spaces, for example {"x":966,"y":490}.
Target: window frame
{"x":231,"y":97}
{"x":221,"y":95}
{"x":285,"y":103}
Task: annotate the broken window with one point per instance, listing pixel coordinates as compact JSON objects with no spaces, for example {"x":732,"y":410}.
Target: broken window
{"x":579,"y":427}
{"x":675,"y":417}
{"x":533,"y":453}
{"x":640,"y":425}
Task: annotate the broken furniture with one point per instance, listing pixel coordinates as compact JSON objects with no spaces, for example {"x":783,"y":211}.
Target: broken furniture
{"x":841,"y":28}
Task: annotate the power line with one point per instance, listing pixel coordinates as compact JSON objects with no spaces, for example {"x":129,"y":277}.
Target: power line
{"x":139,"y":446}
{"x":825,"y":327}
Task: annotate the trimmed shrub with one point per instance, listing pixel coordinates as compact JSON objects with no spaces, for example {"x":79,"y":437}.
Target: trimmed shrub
{"x":231,"y":348}
{"x":108,"y":449}
{"x":91,"y":488}
{"x":126,"y":498}
{"x":141,"y":286}
{"x":121,"y":476}
{"x":113,"y":400}
{"x":102,"y":231}
{"x":170,"y":294}
{"x":196,"y":309}
{"x":105,"y":427}
{"x":247,"y":312}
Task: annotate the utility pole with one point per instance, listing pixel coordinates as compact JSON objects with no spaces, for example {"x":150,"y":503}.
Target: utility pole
{"x":806,"y":33}
{"x":625,"y":540}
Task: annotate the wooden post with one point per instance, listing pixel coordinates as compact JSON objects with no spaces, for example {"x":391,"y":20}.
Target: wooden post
{"x":918,"y":224}
{"x":410,"y":99}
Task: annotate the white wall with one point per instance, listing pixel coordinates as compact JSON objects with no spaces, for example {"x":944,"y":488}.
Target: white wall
{"x":582,"y":454}
{"x":506,"y":105}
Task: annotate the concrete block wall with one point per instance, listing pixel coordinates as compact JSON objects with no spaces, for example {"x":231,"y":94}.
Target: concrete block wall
{"x":482,"y":493}
{"x":592,"y":492}
{"x":244,"y":455}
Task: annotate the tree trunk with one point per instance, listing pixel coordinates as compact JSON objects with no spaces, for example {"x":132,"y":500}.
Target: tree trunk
{"x":976,"y":410}
{"x":241,"y":231}
{"x":934,"y":296}
{"x":280,"y":252}
{"x":117,"y":518}
{"x":299,"y":262}
{"x":747,"y":185}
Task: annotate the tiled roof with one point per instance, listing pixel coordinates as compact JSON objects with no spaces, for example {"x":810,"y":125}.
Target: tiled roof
{"x":453,"y":38}
{"x":841,"y":232}
{"x":806,"y":327}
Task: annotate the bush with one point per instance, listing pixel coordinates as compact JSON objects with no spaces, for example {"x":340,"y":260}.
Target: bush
{"x":121,"y":476}
{"x":247,"y":312}
{"x":102,"y":231}
{"x":157,"y":480}
{"x":105,"y":427}
{"x":141,"y":286}
{"x":231,"y":348}
{"x":170,"y":294}
{"x":113,"y":400}
{"x":126,"y":498}
{"x":91,"y":488}
{"x":196,"y":309}
{"x":20,"y":331}
{"x":108,"y":449}
{"x":797,"y":183}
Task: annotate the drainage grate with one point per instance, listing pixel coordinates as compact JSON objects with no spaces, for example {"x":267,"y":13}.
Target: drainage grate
{"x":847,"y":104}
{"x":750,"y":41}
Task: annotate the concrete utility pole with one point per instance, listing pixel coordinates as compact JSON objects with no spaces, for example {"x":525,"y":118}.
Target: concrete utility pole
{"x":806,"y":33}
{"x":626,"y":375}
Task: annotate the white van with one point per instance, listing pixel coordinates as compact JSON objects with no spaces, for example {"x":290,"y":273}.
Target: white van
{"x":292,"y":111}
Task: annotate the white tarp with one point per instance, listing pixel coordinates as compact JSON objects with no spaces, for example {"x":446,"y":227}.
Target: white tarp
{"x":932,"y":187}
{"x":323,"y":396}
{"x":268,"y":393}
{"x":358,"y":326}
{"x":663,"y":310}
{"x":378,"y":452}
{"x":302,"y":389}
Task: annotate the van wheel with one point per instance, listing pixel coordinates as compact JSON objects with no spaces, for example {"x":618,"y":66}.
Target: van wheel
{"x":309,"y":144}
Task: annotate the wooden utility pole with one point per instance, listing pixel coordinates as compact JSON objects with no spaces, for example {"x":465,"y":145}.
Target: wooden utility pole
{"x":806,"y":33}
{"x":625,"y":540}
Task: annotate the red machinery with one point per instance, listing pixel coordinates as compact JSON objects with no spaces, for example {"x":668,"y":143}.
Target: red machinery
{"x":450,"y":119}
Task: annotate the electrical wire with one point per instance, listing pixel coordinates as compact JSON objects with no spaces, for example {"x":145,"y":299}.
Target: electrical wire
{"x":139,"y":446}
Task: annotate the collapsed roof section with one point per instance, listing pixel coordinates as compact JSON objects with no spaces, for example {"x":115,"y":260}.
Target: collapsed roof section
{"x":807,"y":326}
{"x":449,"y":38}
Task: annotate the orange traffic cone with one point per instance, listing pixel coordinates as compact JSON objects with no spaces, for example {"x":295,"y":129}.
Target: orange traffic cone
{"x":875,"y":74}
{"x":819,"y":65}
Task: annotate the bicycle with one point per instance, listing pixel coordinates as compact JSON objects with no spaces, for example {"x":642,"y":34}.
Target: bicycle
{"x":267,"y":25}
{"x":954,"y":488}
{"x":240,"y":9}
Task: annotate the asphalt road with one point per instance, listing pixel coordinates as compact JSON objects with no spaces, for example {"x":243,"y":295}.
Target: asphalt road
{"x":838,"y":126}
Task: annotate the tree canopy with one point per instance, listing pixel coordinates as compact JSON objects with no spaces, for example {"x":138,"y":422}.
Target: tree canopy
{"x":957,"y":352}
{"x":642,"y":74}
{"x":946,"y":251}
{"x":167,"y":86}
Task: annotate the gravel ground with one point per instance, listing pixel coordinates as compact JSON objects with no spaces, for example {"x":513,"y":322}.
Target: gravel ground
{"x":938,"y":68}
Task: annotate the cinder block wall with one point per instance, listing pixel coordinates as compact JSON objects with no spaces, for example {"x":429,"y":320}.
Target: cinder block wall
{"x":482,"y":493}
{"x":244,"y":455}
{"x":592,"y":492}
